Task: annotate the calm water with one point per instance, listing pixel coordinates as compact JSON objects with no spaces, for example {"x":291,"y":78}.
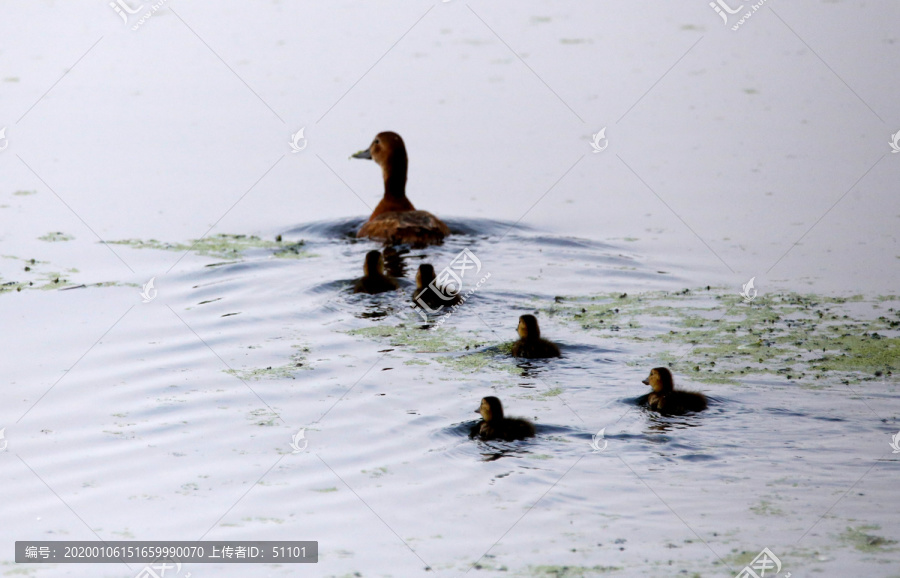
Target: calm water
{"x":150,"y":423}
{"x":758,"y":153}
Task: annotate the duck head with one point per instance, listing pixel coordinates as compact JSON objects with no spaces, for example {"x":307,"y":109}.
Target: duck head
{"x":528,"y":327}
{"x":424,"y":275}
{"x":660,"y":380}
{"x":374,"y":264}
{"x":389,"y":152}
{"x":491,"y":409}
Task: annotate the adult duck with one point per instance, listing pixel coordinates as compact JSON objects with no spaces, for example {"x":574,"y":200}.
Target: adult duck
{"x":395,"y":220}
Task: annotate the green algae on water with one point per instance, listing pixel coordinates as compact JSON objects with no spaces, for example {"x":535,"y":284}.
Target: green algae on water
{"x":223,"y":246}
{"x":442,"y":340}
{"x":55,"y":237}
{"x":570,"y":571}
{"x":297,"y":362}
{"x":864,"y":542}
{"x":477,"y":361}
{"x":708,"y":335}
{"x":437,"y":341}
{"x":765,"y":508}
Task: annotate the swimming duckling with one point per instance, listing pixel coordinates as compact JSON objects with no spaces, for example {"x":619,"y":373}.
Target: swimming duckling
{"x":395,"y":220}
{"x":427,"y":295}
{"x":530,"y":345}
{"x":374,"y":280}
{"x":666,"y":399}
{"x":496,"y":427}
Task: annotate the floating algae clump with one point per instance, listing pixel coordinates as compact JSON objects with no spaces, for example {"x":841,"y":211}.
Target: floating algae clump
{"x":437,"y":341}
{"x":296,"y":363}
{"x":570,"y":571}
{"x":55,"y":237}
{"x":713,"y":336}
{"x":468,"y":358}
{"x":222,"y":246}
{"x":867,"y":542}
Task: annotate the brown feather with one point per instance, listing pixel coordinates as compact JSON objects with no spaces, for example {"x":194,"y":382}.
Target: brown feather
{"x":418,"y":228}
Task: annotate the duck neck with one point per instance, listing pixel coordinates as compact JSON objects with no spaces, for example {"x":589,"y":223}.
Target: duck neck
{"x":395,"y":180}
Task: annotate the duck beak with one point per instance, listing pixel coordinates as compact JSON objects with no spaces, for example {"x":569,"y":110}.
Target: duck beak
{"x":646,"y":381}
{"x":363,"y":154}
{"x":477,"y":411}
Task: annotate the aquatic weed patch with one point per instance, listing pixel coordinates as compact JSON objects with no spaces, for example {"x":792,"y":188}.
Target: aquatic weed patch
{"x":570,"y":571}
{"x":296,"y":363}
{"x":423,"y":340}
{"x":33,"y":277}
{"x":468,"y":356}
{"x":56,"y":237}
{"x":223,"y":246}
{"x":713,"y":336}
{"x":859,"y":539}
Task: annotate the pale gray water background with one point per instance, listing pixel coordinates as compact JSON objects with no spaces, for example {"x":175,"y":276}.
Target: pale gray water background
{"x":747,"y":143}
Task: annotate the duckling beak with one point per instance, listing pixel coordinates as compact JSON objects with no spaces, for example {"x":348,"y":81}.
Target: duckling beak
{"x":477,"y":411}
{"x":646,"y":381}
{"x":363,"y":154}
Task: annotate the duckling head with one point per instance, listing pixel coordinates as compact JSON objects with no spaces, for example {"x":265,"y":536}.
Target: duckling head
{"x":491,"y":409}
{"x":374,"y":263}
{"x":389,"y":152}
{"x":660,"y":380}
{"x":424,"y":276}
{"x":528,"y":327}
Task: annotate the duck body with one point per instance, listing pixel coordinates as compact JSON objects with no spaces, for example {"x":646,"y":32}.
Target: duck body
{"x":416,"y":228}
{"x":495,"y":426}
{"x":666,"y":399}
{"x":530,"y":344}
{"x":374,"y":285}
{"x":395,"y":220}
{"x":677,"y":402}
{"x":374,"y":280}
{"x":535,"y":349}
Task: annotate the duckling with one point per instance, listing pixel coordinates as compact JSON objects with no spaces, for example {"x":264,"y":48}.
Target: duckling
{"x":496,"y":427}
{"x":395,"y":220}
{"x":374,"y":280}
{"x":530,"y":345}
{"x":666,"y":399}
{"x":430,"y":297}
